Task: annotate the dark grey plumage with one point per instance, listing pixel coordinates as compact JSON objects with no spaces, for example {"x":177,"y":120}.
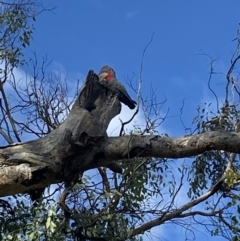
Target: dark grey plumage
{"x":107,"y":76}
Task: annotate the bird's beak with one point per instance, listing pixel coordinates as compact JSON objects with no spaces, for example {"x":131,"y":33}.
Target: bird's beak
{"x":102,"y":76}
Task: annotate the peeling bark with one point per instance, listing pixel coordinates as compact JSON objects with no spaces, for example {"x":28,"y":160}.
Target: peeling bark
{"x":66,"y":151}
{"x":81,"y":143}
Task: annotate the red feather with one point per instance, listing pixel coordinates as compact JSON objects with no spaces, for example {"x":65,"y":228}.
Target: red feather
{"x":109,"y":76}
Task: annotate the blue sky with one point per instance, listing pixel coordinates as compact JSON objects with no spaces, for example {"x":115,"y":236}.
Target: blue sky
{"x":83,"y":35}
{"x":87,"y":34}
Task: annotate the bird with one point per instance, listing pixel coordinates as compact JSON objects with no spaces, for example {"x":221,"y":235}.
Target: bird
{"x":107,"y":77}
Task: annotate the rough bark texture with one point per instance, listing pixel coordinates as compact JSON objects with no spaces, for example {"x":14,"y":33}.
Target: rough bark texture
{"x":81,"y":143}
{"x":66,"y":151}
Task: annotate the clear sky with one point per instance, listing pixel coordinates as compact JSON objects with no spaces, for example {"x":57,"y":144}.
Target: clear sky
{"x":87,"y":34}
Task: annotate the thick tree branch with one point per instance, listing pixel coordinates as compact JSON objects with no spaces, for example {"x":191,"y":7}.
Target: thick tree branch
{"x":80,"y":143}
{"x":165,"y":147}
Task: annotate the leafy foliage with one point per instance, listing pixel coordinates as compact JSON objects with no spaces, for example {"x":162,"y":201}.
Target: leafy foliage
{"x":38,"y":223}
{"x":16,"y":29}
{"x":102,"y":204}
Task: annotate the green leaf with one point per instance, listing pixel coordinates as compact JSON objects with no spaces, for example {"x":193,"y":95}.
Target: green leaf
{"x":48,"y":223}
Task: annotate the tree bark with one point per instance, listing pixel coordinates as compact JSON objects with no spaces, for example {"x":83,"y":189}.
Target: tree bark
{"x":81,"y":143}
